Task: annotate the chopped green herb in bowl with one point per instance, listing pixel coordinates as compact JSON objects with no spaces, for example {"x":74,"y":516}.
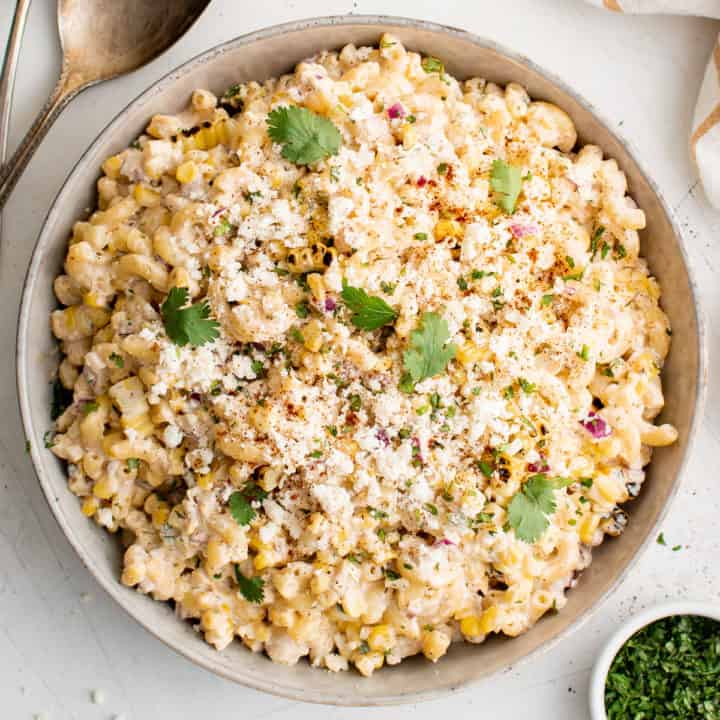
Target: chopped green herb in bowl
{"x":664,"y":664}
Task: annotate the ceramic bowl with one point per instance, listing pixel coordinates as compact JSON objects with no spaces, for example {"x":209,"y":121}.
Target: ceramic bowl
{"x":623,"y":634}
{"x":272,"y":52}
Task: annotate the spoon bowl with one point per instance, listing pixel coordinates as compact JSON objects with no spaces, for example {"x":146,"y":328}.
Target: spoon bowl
{"x":101,"y":40}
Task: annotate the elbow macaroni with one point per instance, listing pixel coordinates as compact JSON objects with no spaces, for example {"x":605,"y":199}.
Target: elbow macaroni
{"x":377,"y":529}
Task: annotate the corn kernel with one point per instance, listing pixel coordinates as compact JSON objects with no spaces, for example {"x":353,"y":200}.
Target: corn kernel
{"x":104,"y":488}
{"x":470,"y":626}
{"x":90,"y":506}
{"x":132,"y":575}
{"x":381,"y":638}
{"x":187,"y":172}
{"x":146,"y":196}
{"x":435,"y":645}
{"x":588,"y":527}
{"x":111,"y":167}
{"x":469,"y":353}
{"x":263,"y":560}
{"x":160,"y":516}
{"x":205,"y":481}
{"x":409,"y":136}
{"x":312,"y":335}
{"x":488,"y":620}
{"x":447,"y":228}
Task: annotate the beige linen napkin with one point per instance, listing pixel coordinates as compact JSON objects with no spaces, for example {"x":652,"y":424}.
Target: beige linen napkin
{"x":705,"y":138}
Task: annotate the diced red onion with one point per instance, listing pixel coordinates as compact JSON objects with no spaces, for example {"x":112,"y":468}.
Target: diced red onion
{"x":422,"y":181}
{"x":445,"y":541}
{"x":538,"y":467}
{"x":596,"y":426}
{"x":521,"y":230}
{"x":382,"y":436}
{"x":219,"y":211}
{"x":330,"y":304}
{"x":396,"y":111}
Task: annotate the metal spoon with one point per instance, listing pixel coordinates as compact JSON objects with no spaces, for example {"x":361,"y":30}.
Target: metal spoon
{"x":101,"y":39}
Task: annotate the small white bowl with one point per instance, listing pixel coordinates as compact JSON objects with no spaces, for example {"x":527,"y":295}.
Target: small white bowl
{"x":629,"y":628}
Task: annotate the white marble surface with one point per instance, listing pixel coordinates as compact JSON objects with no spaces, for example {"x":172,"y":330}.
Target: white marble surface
{"x":61,"y":637}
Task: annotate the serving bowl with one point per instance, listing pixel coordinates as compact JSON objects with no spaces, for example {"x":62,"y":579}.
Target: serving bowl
{"x":272,"y":52}
{"x":626,"y":631}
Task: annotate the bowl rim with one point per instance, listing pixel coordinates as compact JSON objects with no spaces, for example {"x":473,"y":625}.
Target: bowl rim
{"x":113,"y":588}
{"x":632,"y":625}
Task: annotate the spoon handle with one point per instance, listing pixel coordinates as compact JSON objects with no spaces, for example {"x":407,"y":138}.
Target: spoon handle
{"x":11,"y":172}
{"x":7,"y":77}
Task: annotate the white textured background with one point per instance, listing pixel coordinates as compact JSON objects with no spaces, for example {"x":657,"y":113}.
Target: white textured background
{"x":61,"y":637}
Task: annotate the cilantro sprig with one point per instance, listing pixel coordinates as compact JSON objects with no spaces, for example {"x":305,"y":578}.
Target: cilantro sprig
{"x":188,"y":324}
{"x":252,"y":589}
{"x":429,"y":352}
{"x":240,"y":503}
{"x":531,"y":506}
{"x":506,"y":181}
{"x":305,"y":136}
{"x":369,"y":312}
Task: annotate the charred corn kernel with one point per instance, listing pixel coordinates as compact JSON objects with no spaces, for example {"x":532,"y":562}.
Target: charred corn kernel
{"x":409,"y":136}
{"x":435,"y":645}
{"x":187,"y":172}
{"x":488,"y":620}
{"x":146,"y":196}
{"x":470,"y":626}
{"x":205,"y":481}
{"x":111,"y":167}
{"x":447,"y":228}
{"x":588,"y":527}
{"x":469,"y":353}
{"x":132,"y":575}
{"x":381,"y":638}
{"x":90,"y":506}
{"x":312,"y":335}
{"x":105,"y":488}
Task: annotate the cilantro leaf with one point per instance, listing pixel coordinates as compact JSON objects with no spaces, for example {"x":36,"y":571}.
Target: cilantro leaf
{"x":529,"y":509}
{"x":187,"y":324}
{"x":252,"y":589}
{"x":239,"y":503}
{"x":506,"y":181}
{"x":429,"y":351}
{"x":305,"y":136}
{"x":368,"y":311}
{"x":240,"y":509}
